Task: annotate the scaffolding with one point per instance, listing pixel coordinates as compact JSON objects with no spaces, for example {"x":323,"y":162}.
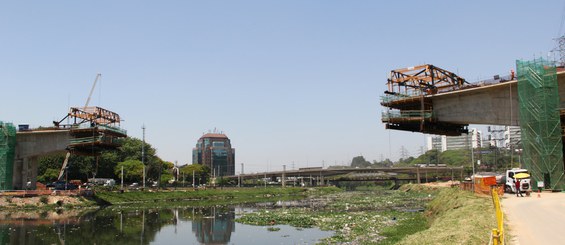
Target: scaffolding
{"x":409,"y":99}
{"x":540,"y":122}
{"x":93,"y":130}
{"x":7,"y":152}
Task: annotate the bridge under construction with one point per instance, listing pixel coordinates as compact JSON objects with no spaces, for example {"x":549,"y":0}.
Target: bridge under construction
{"x":431,"y":100}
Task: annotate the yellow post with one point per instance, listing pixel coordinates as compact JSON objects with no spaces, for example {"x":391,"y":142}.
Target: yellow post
{"x":495,"y":237}
{"x":499,"y":238}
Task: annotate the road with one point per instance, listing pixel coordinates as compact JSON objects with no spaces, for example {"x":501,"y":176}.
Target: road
{"x":535,"y":220}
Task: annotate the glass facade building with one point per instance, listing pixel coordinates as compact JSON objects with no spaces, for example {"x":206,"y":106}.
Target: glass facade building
{"x":214,"y":151}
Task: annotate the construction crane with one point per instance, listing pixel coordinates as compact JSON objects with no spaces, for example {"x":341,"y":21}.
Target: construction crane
{"x":66,"y":161}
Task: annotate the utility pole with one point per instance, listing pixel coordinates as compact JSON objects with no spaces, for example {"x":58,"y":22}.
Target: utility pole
{"x":284,"y":176}
{"x":122,"y":178}
{"x":143,"y":154}
{"x":193,"y":183}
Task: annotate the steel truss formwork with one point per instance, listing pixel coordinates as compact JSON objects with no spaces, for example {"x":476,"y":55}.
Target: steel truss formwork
{"x":93,"y":130}
{"x":540,"y":122}
{"x":408,"y":99}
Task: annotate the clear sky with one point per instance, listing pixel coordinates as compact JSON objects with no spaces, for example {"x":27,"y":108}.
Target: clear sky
{"x":287,"y":81}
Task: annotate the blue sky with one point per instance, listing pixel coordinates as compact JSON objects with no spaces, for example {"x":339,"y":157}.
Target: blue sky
{"x":287,"y":81}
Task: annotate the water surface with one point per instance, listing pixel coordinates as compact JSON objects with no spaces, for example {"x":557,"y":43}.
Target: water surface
{"x":190,"y":225}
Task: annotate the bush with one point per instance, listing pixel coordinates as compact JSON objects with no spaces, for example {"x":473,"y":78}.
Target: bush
{"x":44,"y":199}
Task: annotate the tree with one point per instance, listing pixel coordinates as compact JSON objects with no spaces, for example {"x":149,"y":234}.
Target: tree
{"x":359,"y":161}
{"x":133,"y":170}
{"x":383,"y":164}
{"x":200,"y":171}
{"x":84,"y":167}
{"x":430,"y":157}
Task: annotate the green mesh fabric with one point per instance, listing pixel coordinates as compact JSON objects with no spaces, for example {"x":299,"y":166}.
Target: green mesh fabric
{"x":540,"y":122}
{"x":7,"y":151}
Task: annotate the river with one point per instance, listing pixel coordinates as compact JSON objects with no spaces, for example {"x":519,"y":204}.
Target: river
{"x":188,"y":225}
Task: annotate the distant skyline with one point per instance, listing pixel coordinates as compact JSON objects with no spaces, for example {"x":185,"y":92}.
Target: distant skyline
{"x":286,"y":81}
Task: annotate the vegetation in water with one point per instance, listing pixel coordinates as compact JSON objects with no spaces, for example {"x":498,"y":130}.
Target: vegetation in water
{"x":356,"y":217}
{"x":451,"y":216}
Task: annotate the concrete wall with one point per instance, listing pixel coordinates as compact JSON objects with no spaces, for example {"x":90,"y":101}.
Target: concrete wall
{"x":30,"y":146}
{"x":490,"y":105}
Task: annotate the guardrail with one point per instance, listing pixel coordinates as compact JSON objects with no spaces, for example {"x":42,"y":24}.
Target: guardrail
{"x":406,"y":114}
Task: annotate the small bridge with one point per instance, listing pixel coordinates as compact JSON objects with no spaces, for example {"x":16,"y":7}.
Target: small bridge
{"x":323,"y":175}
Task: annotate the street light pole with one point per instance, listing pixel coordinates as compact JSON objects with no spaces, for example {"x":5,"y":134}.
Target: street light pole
{"x":284,"y":176}
{"x":143,"y":154}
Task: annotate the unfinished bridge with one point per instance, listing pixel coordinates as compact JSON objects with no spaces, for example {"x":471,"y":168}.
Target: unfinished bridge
{"x":432,"y":100}
{"x":90,"y":131}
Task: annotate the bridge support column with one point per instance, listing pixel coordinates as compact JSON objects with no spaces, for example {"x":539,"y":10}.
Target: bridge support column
{"x":418,"y":175}
{"x":25,"y":170}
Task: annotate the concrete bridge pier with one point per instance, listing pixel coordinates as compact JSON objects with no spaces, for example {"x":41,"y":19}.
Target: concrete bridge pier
{"x":30,"y":145}
{"x":25,"y":170}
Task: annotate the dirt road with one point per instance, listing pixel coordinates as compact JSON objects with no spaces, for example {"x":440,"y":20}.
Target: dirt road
{"x":533,"y":220}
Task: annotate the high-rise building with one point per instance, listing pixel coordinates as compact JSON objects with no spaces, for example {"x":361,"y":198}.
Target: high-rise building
{"x":214,"y":151}
{"x":444,"y":143}
{"x":505,"y":137}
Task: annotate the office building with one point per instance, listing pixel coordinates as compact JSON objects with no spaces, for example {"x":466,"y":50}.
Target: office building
{"x":214,"y":150}
{"x":444,"y":143}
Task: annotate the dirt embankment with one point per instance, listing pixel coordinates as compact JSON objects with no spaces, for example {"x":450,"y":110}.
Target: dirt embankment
{"x":38,"y":201}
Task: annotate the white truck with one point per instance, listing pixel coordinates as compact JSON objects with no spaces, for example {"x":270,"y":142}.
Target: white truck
{"x":510,"y":186}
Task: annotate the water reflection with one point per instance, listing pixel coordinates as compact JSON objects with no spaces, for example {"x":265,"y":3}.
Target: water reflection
{"x":190,"y":225}
{"x":214,"y":225}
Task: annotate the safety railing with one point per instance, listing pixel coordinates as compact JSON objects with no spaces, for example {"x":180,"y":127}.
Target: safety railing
{"x":386,"y":115}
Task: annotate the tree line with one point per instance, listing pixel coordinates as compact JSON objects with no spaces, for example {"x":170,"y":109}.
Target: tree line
{"x":109,"y":165}
{"x":487,"y":159}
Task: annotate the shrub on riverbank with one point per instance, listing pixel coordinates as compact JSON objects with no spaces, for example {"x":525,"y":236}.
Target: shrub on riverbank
{"x":456,"y":217}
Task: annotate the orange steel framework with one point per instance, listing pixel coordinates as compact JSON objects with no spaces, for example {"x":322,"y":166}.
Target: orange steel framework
{"x":100,"y":130}
{"x":94,"y":115}
{"x":425,"y":78}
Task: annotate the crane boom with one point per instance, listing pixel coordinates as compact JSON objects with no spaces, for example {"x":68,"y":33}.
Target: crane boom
{"x":92,"y":90}
{"x":63,"y":168}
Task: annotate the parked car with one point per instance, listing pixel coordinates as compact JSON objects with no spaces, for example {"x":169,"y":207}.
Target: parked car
{"x":62,"y":185}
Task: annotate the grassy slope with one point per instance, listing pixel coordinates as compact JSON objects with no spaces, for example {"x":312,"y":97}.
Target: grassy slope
{"x":456,"y":217}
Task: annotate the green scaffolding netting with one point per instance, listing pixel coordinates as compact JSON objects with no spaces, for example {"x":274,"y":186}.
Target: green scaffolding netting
{"x":540,"y":122}
{"x":7,"y":151}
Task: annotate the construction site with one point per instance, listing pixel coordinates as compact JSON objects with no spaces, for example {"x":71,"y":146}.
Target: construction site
{"x":431,"y":100}
{"x":86,"y":130}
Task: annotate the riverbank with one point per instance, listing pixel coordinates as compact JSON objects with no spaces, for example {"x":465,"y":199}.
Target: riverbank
{"x":415,"y":214}
{"x":456,"y":217}
{"x":162,"y":198}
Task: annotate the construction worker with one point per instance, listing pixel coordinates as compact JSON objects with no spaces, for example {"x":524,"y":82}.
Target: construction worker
{"x":512,"y":74}
{"x":517,"y":184}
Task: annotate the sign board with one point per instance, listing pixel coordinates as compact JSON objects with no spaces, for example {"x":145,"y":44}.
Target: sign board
{"x":540,"y":184}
